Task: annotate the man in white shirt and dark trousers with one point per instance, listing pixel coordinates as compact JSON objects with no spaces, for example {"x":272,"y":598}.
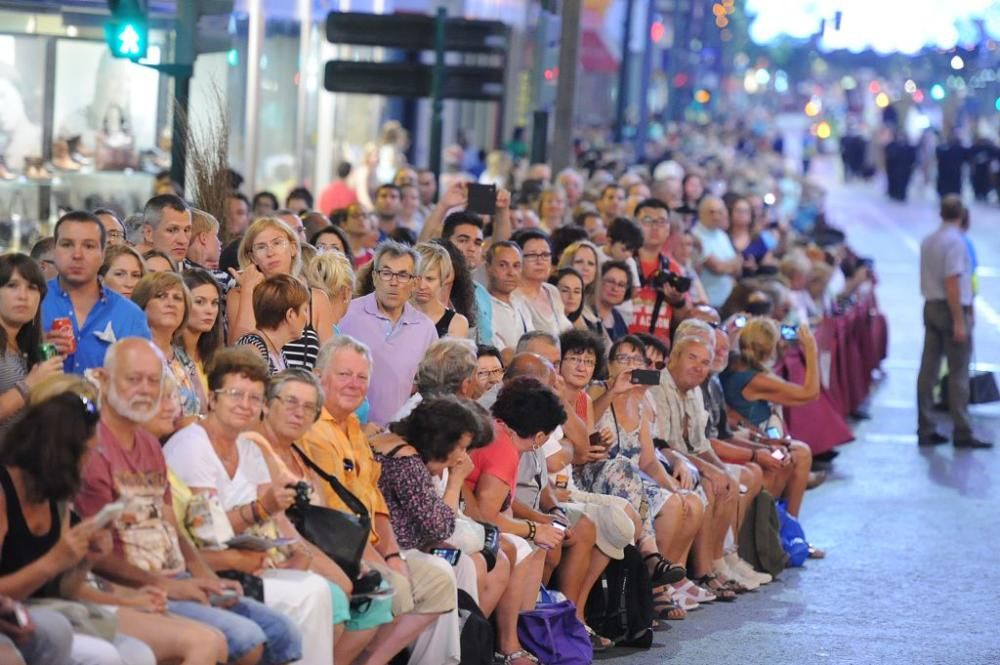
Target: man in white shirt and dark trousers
{"x":946,"y":285}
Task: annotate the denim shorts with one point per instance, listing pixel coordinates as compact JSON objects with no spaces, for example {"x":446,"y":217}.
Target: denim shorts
{"x":246,"y":625}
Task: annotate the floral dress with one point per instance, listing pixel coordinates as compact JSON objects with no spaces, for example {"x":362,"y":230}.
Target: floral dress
{"x":619,"y":475}
{"x":189,"y":386}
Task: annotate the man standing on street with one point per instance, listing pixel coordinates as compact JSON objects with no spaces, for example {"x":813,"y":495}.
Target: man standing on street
{"x":946,"y":285}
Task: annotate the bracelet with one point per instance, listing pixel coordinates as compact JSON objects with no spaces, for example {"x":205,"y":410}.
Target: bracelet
{"x":259,"y":512}
{"x":531,"y":530}
{"x":391,"y":555}
{"x":239,"y":511}
{"x":22,"y":387}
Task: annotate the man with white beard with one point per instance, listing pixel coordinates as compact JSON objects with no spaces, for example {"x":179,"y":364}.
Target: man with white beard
{"x":127,"y":465}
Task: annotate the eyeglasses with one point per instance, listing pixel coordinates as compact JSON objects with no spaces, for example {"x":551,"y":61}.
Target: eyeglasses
{"x":589,"y":363}
{"x":615,"y":284}
{"x":629,"y":359}
{"x":486,"y":374}
{"x":538,"y":256}
{"x":293,"y":404}
{"x":659,"y":222}
{"x":659,"y":364}
{"x":387,"y":276}
{"x":277,"y":244}
{"x":321,"y":248}
{"x":255,"y":399}
{"x":115,"y":235}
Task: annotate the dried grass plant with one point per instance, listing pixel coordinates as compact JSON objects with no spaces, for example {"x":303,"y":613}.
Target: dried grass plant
{"x":207,"y":146}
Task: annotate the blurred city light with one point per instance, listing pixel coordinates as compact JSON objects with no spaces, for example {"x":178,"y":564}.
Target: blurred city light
{"x":881,"y":100}
{"x":957,"y":62}
{"x":937,"y":92}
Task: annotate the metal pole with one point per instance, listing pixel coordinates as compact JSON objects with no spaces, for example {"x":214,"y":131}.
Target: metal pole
{"x":623,"y":75}
{"x":647,"y":71}
{"x":569,"y":56}
{"x":437,"y":103}
{"x":305,"y":46}
{"x":255,"y":43}
{"x":184,"y":54}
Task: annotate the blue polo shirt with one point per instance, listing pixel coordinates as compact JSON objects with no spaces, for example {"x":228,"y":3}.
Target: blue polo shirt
{"x":484,"y":313}
{"x":112,"y":318}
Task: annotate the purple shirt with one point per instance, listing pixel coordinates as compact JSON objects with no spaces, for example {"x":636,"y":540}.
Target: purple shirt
{"x":396,"y":351}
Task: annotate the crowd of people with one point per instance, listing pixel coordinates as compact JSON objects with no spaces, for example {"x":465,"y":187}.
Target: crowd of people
{"x":586,"y":371}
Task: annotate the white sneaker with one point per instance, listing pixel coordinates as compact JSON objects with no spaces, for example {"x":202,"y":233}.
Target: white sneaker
{"x":734,"y":561}
{"x":720,"y":566}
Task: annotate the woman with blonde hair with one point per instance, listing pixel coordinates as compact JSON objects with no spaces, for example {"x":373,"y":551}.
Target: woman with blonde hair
{"x":552,"y":208}
{"x":166,"y":300}
{"x":122,"y":269}
{"x":270,"y":247}
{"x":331,"y":272}
{"x":753,"y":391}
{"x":436,"y":271}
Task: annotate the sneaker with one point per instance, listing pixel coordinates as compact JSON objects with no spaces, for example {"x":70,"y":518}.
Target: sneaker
{"x":725,"y":571}
{"x":734,"y":561}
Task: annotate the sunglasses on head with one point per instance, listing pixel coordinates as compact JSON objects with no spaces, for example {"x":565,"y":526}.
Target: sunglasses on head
{"x":90,"y":411}
{"x":659,"y":364}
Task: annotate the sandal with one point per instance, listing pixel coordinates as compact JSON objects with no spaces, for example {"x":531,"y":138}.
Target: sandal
{"x":597,"y":642}
{"x":664,"y":571}
{"x":691,"y":590}
{"x":685,"y":601}
{"x":816,"y":553}
{"x":517,"y":655}
{"x":716,"y":586}
{"x":668,"y":608}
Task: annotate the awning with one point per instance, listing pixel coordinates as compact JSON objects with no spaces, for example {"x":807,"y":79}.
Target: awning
{"x":595,"y":56}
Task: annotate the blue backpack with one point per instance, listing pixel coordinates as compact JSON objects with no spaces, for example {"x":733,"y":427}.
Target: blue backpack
{"x":793,"y":538}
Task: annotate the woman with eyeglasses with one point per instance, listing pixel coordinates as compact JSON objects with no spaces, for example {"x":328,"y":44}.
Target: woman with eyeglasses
{"x":614,"y":289}
{"x":435,"y":269}
{"x":215,"y":457}
{"x":269,"y":248}
{"x":541,"y":297}
{"x":122,"y":269}
{"x":671,"y":515}
{"x":22,"y":288}
{"x":165,"y":299}
{"x":330,"y":238}
{"x":582,"y":356}
{"x":281,"y":311}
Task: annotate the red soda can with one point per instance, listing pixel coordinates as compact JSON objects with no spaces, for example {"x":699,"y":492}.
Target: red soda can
{"x":64,"y":323}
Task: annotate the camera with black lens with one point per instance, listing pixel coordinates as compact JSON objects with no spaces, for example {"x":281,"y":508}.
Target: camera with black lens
{"x":302,"y":492}
{"x":677,"y":282}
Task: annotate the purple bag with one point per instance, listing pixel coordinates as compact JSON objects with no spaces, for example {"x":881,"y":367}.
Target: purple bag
{"x":554,"y":635}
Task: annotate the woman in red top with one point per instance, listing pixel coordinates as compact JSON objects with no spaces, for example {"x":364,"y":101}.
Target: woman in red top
{"x":525,"y":414}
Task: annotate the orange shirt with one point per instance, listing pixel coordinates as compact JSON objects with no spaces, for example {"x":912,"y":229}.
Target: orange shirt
{"x":341,"y":449}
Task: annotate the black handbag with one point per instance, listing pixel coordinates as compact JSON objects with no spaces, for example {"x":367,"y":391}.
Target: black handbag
{"x":339,"y":535}
{"x":982,"y":387}
{"x":253,"y":586}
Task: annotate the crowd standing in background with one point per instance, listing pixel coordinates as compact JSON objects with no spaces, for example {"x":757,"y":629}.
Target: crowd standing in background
{"x":518,"y":401}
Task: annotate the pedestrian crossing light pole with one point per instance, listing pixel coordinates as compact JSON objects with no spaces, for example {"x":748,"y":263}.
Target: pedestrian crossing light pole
{"x":127,"y":29}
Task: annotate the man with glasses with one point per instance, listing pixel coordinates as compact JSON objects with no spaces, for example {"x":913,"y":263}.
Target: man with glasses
{"x":655,"y":301}
{"x":489,"y":368}
{"x":114,"y":227}
{"x":397,"y":333}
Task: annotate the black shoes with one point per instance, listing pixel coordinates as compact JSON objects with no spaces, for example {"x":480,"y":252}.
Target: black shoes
{"x":934,"y":439}
{"x":972,"y":443}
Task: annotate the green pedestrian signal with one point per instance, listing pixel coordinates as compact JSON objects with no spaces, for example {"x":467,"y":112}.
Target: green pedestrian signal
{"x":127,"y":30}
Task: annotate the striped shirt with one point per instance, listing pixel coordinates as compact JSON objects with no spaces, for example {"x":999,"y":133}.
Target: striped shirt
{"x":12,"y":369}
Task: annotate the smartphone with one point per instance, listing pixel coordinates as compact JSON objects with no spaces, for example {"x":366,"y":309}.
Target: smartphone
{"x":482,"y":198}
{"x":777,"y":454}
{"x":595,"y":439}
{"x":223,"y":597}
{"x":772,"y":433}
{"x":645,"y":377}
{"x":449,"y":554}
{"x":109,"y":513}
{"x":789,"y":333}
{"x":561,"y":527}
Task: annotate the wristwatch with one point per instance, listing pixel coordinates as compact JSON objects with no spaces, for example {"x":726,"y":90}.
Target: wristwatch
{"x":399,"y":555}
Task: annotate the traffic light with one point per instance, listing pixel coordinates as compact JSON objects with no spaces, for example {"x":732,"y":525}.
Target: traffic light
{"x":127,"y":30}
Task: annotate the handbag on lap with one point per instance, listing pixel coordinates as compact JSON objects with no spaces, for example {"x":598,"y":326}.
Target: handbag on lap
{"x":339,"y":535}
